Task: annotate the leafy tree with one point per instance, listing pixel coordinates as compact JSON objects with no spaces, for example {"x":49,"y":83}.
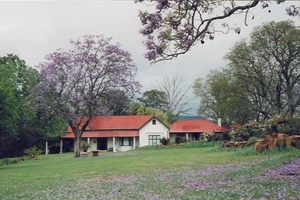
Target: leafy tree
{"x":154,"y":99}
{"x":120,"y":105}
{"x":134,"y":108}
{"x":222,"y":97}
{"x":269,"y":67}
{"x":8,"y":121}
{"x":21,"y":126}
{"x":152,"y":111}
{"x":177,"y":25}
{"x":79,"y":84}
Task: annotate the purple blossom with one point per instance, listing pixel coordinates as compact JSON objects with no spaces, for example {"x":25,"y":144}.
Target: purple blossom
{"x":237,"y":30}
{"x":162,"y":4}
{"x":265,"y":5}
{"x":293,"y":10}
{"x":226,"y":10}
{"x":74,"y":83}
{"x":291,"y":169}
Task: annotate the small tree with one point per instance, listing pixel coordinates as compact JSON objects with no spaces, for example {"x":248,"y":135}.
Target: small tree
{"x":80,"y":83}
{"x":85,"y":146}
{"x":33,"y":152}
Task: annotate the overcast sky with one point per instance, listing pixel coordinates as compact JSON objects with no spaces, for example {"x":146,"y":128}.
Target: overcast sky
{"x":33,"y":29}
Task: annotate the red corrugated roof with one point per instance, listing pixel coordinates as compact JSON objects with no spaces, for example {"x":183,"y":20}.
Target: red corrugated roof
{"x":117,"y":126}
{"x":195,"y":126}
{"x":97,"y":134}
{"x":118,"y":122}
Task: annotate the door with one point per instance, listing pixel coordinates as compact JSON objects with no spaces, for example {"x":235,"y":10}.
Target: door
{"x":102,"y":143}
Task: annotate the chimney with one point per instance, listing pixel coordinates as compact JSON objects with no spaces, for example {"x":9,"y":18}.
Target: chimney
{"x":219,"y":121}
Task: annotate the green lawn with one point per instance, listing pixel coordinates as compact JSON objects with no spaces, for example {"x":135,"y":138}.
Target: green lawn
{"x":171,"y":173}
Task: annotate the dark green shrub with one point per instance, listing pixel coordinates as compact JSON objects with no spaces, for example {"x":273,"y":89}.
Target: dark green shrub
{"x":177,"y":140}
{"x":255,"y":132}
{"x":291,"y":127}
{"x":216,"y":137}
{"x":164,"y":141}
{"x":226,"y":137}
{"x":9,"y":161}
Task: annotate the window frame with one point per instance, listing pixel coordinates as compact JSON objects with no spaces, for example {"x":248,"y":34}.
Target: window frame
{"x":154,"y":140}
{"x":153,"y":121}
{"x":123,"y":140}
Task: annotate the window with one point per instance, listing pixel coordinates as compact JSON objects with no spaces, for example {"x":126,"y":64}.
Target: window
{"x":181,"y":135}
{"x":126,"y":141}
{"x":154,"y":140}
{"x":153,"y":122}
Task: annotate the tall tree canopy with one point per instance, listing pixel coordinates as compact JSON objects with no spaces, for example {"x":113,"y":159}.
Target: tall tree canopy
{"x":176,"y":25}
{"x":261,"y":80}
{"x":80,"y":83}
{"x":152,"y":111}
{"x":20,"y":125}
{"x":269,"y":65}
{"x":223,"y":97}
{"x":154,"y":99}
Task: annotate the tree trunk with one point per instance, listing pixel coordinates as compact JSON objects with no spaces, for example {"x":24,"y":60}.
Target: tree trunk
{"x":77,"y":145}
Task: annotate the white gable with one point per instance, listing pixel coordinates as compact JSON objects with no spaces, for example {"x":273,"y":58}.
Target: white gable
{"x":151,"y":132}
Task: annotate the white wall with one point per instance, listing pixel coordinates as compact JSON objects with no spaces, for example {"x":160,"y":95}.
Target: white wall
{"x":93,"y":142}
{"x":150,"y":129}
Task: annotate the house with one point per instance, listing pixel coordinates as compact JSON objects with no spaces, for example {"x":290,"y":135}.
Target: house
{"x":192,"y":129}
{"x":120,"y":133}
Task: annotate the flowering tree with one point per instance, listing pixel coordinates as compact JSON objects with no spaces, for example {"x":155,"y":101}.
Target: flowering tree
{"x":81,"y":83}
{"x":176,"y":25}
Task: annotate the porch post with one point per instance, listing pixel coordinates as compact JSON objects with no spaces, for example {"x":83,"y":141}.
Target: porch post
{"x":88,"y":140}
{"x":133,"y":142}
{"x":114,"y":144}
{"x":46,"y":147}
{"x":61,"y":146}
{"x":187,"y":137}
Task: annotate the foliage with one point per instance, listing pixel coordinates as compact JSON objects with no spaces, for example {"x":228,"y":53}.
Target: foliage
{"x":21,"y":126}
{"x":207,"y":136}
{"x":290,"y":127}
{"x":152,"y":111}
{"x":174,"y":26}
{"x":120,"y":105}
{"x":10,"y":161}
{"x":178,"y":139}
{"x":171,"y":118}
{"x":226,"y":136}
{"x":267,"y":71}
{"x":85,"y":146}
{"x":134,"y":109}
{"x":252,"y":130}
{"x":33,"y":152}
{"x":251,"y":140}
{"x":9,"y":116}
{"x":223,"y":97}
{"x":154,"y":99}
{"x":164,"y":141}
{"x":85,"y":81}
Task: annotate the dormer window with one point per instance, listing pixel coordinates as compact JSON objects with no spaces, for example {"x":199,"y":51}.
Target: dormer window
{"x":153,"y":121}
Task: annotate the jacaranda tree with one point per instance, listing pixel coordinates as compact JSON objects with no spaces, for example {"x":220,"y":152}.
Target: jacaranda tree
{"x":174,"y":26}
{"x":80,"y":84}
